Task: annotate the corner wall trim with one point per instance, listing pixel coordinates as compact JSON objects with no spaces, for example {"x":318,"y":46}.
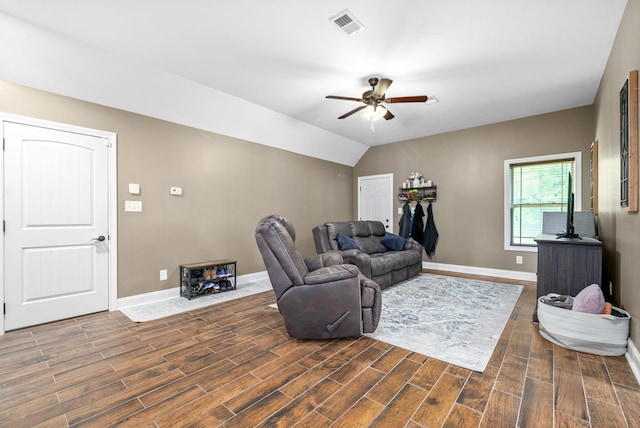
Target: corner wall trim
{"x":511,"y":274}
{"x":633,"y":358}
{"x":156,"y":296}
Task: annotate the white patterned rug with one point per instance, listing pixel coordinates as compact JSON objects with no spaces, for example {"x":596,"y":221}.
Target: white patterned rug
{"x":176,"y":305}
{"x":455,"y":320}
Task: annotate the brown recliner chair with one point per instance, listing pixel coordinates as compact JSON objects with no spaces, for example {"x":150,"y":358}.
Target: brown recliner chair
{"x":318,"y":298}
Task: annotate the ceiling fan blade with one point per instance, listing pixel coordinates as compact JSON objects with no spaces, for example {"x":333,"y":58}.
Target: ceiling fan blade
{"x":416,"y":99}
{"x":355,"y":110}
{"x":388,"y":115}
{"x":381,"y":88}
{"x":337,"y":97}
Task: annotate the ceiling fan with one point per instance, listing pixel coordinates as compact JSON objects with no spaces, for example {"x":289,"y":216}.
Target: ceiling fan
{"x":372,"y":99}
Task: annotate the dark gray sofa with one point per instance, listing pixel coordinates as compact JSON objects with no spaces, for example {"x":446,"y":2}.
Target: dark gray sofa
{"x":373,"y":259}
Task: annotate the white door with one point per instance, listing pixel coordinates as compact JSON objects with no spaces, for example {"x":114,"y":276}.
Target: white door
{"x":56,"y":258}
{"x":375,"y":199}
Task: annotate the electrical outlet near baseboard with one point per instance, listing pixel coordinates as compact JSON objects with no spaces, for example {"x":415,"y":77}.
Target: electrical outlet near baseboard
{"x":518,"y":260}
{"x":163,"y":275}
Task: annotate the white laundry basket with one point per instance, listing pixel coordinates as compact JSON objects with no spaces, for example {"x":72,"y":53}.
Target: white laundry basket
{"x":580,"y":331}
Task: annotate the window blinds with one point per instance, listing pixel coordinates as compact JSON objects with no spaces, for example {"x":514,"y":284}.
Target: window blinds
{"x":536,"y":188}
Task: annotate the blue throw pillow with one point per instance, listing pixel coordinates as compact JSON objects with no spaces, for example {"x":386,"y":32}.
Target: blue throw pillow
{"x":347,"y":243}
{"x":393,"y":242}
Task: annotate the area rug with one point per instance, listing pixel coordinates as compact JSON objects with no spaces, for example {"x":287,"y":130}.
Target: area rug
{"x":175,"y":305}
{"x":455,"y":320}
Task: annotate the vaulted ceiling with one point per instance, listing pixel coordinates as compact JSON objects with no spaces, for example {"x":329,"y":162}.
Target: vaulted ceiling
{"x":260,"y":70}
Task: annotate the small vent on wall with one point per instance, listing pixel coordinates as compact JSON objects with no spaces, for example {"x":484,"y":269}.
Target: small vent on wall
{"x":347,"y":22}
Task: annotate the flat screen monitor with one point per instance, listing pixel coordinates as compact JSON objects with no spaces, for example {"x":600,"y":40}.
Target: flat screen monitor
{"x":569,"y":231}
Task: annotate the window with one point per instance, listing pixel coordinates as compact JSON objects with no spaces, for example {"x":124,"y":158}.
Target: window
{"x":624,"y":145}
{"x":535,"y":185}
{"x":629,"y":143}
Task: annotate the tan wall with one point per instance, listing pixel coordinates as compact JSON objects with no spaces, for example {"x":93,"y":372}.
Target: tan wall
{"x":468,"y":168}
{"x":228,"y":186}
{"x":619,"y":230}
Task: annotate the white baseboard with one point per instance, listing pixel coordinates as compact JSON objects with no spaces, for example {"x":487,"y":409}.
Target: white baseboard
{"x":633,"y":357}
{"x":499,"y":273}
{"x":251,"y":277}
{"x":155,"y":296}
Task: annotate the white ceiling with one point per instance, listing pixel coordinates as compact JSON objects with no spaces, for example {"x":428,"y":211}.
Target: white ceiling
{"x":486,"y":61}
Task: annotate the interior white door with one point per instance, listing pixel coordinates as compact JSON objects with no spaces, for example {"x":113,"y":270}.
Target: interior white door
{"x":56,"y":224}
{"x":375,"y":199}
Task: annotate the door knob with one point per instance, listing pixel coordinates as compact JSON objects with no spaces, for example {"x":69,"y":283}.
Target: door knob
{"x":99,"y":238}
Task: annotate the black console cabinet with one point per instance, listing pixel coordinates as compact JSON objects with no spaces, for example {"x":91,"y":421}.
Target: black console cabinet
{"x":567,"y":265}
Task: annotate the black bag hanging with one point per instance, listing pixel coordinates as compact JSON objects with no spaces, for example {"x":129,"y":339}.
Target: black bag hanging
{"x":430,"y":233}
{"x":416,"y":232}
{"x":406,"y":223}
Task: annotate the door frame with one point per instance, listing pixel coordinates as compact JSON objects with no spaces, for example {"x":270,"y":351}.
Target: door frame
{"x":388,"y":176}
{"x":111,"y":137}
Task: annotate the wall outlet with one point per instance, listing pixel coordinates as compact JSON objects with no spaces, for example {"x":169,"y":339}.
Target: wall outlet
{"x":163,"y":275}
{"x":518,"y":260}
{"x":610,"y":288}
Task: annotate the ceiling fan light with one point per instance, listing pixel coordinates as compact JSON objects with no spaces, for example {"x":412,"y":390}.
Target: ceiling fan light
{"x":372,"y":112}
{"x":432,"y":100}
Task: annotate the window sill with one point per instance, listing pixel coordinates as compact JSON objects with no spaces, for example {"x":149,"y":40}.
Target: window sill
{"x":521,"y":248}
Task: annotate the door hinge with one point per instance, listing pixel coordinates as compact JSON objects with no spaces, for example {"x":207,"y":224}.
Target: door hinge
{"x":3,"y":144}
{"x":4,"y":226}
{"x":4,"y":309}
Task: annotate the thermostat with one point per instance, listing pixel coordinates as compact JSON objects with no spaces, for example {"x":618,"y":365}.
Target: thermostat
{"x":134,"y":189}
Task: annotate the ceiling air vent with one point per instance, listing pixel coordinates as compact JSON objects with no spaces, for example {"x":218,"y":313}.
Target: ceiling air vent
{"x":347,"y":22}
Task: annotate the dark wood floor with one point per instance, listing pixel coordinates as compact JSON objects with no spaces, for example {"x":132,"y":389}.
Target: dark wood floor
{"x":233,"y":364}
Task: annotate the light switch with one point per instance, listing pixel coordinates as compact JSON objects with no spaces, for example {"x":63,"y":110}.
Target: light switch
{"x":133,"y":206}
{"x":176,"y":191}
{"x":134,"y":189}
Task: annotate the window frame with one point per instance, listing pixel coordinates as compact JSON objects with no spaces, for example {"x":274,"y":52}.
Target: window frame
{"x":577,"y":182}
